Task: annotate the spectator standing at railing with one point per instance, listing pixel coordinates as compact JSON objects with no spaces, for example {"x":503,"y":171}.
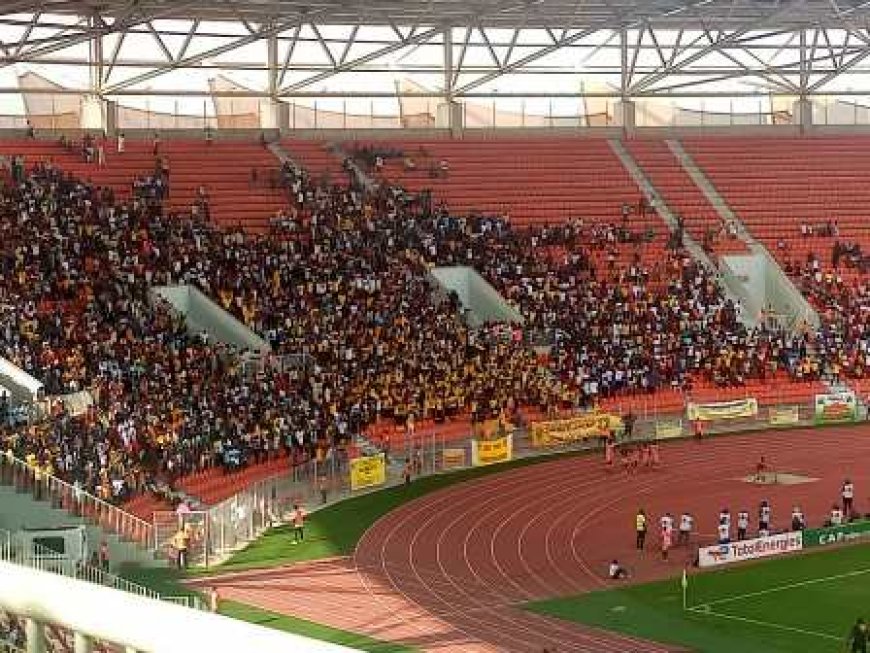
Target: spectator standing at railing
{"x":214,"y":599}
{"x":181,"y":542}
{"x":104,"y":556}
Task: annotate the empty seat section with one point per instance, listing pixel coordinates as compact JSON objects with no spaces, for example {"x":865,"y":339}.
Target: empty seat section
{"x":683,"y":196}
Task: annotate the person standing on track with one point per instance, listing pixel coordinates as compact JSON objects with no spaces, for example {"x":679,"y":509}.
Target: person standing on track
{"x":848,"y":493}
{"x":723,"y":532}
{"x":640,"y":526}
{"x":836,"y":516}
{"x":667,"y":541}
{"x":764,"y":519}
{"x":742,"y":525}
{"x":686,"y":522}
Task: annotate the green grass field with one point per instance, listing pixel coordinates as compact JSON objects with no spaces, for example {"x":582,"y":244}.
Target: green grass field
{"x":795,"y":604}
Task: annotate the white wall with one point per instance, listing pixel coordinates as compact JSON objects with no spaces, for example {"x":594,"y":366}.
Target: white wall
{"x":146,"y":625}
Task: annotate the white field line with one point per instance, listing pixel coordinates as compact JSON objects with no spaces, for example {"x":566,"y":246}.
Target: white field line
{"x":766,"y":624}
{"x":782,"y":588}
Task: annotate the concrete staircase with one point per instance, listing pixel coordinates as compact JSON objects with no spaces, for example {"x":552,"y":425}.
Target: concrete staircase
{"x":757,"y":278}
{"x":655,"y":200}
{"x":706,"y":187}
{"x":19,"y":509}
{"x":31,"y":500}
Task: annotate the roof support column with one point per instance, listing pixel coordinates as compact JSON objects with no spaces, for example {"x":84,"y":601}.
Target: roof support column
{"x":624,"y":110}
{"x":92,"y":103}
{"x":802,"y":110}
{"x":449,"y":112}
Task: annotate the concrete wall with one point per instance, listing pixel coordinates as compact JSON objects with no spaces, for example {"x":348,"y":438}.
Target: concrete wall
{"x":761,"y":284}
{"x":203,"y":314}
{"x":481,"y":301}
{"x":19,"y":383}
{"x":20,"y":510}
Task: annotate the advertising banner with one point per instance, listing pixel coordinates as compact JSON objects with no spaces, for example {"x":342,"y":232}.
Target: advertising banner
{"x":574,"y":429}
{"x":667,"y":429}
{"x":453,"y":458}
{"x":783,"y":415}
{"x":736,"y":409}
{"x":761,"y":547}
{"x":835,"y":407}
{"x":369,"y":471}
{"x":489,"y":452}
{"x":853,"y":532}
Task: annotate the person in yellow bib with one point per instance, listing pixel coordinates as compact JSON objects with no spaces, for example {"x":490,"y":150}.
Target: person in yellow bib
{"x":640,"y":526}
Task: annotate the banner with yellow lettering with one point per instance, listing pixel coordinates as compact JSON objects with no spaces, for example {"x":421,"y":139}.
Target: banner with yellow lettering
{"x":489,"y":452}
{"x":369,"y":471}
{"x":574,"y":429}
{"x":736,"y":409}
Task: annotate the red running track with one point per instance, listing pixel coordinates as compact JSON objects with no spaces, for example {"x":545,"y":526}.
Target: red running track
{"x":449,"y":571}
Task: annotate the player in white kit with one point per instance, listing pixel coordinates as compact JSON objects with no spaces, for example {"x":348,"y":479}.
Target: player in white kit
{"x":742,"y":524}
{"x":686,"y":523}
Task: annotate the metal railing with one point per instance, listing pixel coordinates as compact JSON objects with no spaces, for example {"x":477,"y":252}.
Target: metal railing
{"x":73,"y":499}
{"x":40,"y":557}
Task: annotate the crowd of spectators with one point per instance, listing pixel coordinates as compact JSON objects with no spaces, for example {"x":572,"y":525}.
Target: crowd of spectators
{"x":340,"y":290}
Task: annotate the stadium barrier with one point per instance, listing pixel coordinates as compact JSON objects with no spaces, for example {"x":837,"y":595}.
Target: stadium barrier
{"x":835,"y":407}
{"x":135,"y":622}
{"x":37,"y":556}
{"x":845,"y":534}
{"x":73,"y":499}
{"x":760,"y":547}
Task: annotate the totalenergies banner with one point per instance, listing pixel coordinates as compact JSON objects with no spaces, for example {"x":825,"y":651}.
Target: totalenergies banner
{"x":369,"y":471}
{"x":747,"y":407}
{"x":489,"y":452}
{"x":761,"y":547}
{"x":574,"y":429}
{"x":835,"y":407}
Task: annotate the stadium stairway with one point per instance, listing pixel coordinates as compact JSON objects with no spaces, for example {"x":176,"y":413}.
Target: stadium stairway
{"x":241,"y":178}
{"x":21,"y":510}
{"x":682,"y":194}
{"x":777,"y":184}
{"x":319,"y":158}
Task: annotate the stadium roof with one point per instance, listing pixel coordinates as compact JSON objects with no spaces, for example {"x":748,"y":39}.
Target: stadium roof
{"x":280,"y":49}
{"x":563,"y":14}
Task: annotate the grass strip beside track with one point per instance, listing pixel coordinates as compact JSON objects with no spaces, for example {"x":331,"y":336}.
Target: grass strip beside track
{"x":798,"y":603}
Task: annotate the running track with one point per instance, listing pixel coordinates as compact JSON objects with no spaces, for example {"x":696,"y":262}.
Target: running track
{"x":448,"y":571}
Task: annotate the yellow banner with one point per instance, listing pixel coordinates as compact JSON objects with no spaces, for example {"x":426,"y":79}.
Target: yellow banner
{"x":783,"y":415}
{"x":369,"y":471}
{"x":489,"y":452}
{"x":453,"y":458}
{"x":723,"y":410}
{"x":574,"y":429}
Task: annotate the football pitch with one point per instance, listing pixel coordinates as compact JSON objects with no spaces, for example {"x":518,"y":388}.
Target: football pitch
{"x":800,"y":603}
